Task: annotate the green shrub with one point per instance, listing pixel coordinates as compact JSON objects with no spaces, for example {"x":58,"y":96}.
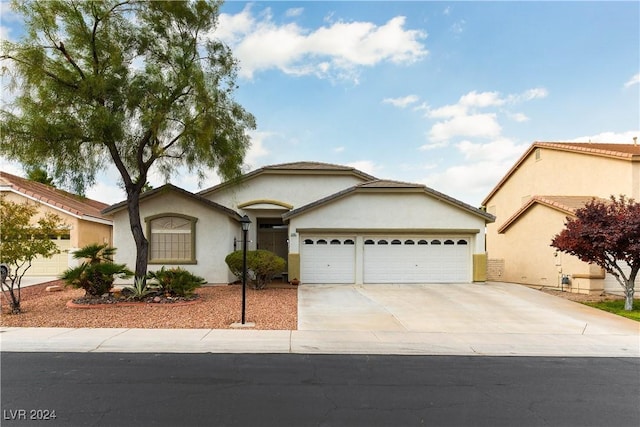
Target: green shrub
{"x":262,"y":265}
{"x":98,"y":272}
{"x":177,"y":281}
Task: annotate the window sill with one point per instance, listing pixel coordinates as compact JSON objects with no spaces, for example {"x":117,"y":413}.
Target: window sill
{"x":173,"y":261}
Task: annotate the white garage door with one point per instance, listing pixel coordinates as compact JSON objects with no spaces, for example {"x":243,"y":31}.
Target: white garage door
{"x":416,"y":260}
{"x":327,"y":259}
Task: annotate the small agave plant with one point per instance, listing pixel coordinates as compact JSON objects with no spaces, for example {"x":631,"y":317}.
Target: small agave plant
{"x":139,"y":289}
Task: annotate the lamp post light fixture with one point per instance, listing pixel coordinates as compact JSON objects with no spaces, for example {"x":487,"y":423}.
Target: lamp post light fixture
{"x":245,"y":222}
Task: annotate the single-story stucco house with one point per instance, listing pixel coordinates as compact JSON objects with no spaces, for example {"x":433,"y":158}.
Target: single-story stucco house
{"x":331,"y":223}
{"x":84,"y":224}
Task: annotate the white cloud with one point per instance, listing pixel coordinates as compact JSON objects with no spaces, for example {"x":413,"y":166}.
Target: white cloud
{"x":433,"y":146}
{"x":518,"y":117}
{"x":470,"y":101}
{"x":335,"y":51}
{"x":366,"y":166}
{"x":528,"y":95}
{"x":7,"y":15}
{"x":9,"y":166}
{"x":294,"y":12}
{"x":608,"y":137}
{"x":469,"y":183}
{"x":4,"y":32}
{"x":257,"y":149}
{"x":481,"y":100}
{"x":495,"y":150}
{"x":633,"y":81}
{"x":465,"y":118}
{"x":106,"y":192}
{"x":476,"y":125}
{"x":401,"y":102}
{"x":338,"y":149}
{"x":482,"y":167}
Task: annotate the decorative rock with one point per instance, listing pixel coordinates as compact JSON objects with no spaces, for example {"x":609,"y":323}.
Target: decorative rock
{"x":53,"y":288}
{"x":157,"y":299}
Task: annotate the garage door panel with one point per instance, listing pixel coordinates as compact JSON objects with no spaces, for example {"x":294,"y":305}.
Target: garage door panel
{"x":416,"y":260}
{"x":328,"y":260}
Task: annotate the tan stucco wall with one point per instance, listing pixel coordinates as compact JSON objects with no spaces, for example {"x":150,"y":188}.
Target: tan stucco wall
{"x":528,"y":257}
{"x":480,"y":267}
{"x":524,"y":248}
{"x":69,"y":221}
{"x":92,"y":232}
{"x":565,"y":174}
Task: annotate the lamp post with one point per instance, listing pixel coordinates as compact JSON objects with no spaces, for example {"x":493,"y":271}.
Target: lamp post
{"x":245,"y":222}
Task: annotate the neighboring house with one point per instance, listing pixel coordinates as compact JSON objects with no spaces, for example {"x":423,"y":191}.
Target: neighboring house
{"x":84,"y":222}
{"x":331,"y":223}
{"x":531,"y":203}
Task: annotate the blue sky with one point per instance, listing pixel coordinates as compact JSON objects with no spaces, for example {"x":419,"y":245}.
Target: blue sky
{"x":448,"y":94}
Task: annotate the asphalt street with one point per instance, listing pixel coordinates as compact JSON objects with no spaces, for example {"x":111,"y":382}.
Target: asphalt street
{"x":160,"y":389}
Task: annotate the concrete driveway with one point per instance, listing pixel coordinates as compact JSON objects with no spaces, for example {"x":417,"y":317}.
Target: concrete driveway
{"x":487,"y":308}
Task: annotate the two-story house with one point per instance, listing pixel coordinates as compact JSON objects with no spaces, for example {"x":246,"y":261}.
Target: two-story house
{"x":532,"y":201}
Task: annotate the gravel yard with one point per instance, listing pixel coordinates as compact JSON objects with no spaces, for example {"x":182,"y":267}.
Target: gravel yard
{"x":217,"y":308}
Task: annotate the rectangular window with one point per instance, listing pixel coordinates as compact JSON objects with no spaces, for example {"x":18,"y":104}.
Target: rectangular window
{"x":171,"y":240}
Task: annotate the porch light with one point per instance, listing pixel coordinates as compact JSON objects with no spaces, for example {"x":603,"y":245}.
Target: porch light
{"x":246,"y":222}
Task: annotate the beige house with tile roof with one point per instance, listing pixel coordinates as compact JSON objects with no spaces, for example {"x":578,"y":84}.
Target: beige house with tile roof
{"x":85,"y":224}
{"x":545,"y":186}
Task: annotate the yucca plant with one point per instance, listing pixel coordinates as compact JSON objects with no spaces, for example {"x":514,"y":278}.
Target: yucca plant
{"x":97,"y":274}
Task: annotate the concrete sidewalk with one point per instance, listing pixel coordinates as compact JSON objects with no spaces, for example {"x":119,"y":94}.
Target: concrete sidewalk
{"x":625,"y":344}
{"x":492,"y":319}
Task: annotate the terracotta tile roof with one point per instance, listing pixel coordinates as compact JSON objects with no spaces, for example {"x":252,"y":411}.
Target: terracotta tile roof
{"x":625,"y":151}
{"x":71,"y":203}
{"x":566,"y":204}
{"x":630,"y":152}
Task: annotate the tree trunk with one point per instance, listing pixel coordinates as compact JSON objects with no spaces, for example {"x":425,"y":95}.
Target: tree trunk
{"x":628,"y":297}
{"x":142,"y":244}
{"x":629,"y":288}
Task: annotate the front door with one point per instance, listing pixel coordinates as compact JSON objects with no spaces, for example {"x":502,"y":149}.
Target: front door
{"x":272,"y":236}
